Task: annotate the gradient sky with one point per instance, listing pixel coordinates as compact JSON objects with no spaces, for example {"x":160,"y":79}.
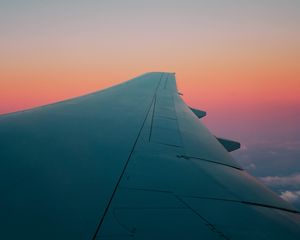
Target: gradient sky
{"x":237,"y":59}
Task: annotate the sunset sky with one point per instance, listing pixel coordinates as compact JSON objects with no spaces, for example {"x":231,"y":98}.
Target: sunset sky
{"x":237,"y":59}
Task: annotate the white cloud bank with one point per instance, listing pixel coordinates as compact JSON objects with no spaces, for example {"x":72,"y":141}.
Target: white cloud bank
{"x":285,"y":182}
{"x":290,"y":196}
{"x":291,"y":180}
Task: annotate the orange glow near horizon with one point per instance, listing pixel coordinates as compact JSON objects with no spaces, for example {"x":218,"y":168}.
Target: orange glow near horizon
{"x":243,"y":77}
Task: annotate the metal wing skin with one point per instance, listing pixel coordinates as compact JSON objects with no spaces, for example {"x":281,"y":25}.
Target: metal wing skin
{"x":129,"y":162}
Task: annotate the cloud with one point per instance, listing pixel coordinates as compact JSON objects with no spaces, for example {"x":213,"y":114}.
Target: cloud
{"x":288,"y":187}
{"x":243,"y":147}
{"x":289,"y":145}
{"x":275,"y":181}
{"x":290,"y":196}
{"x":251,"y":166}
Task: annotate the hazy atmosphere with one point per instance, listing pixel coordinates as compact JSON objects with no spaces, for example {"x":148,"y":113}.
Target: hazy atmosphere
{"x":238,"y":60}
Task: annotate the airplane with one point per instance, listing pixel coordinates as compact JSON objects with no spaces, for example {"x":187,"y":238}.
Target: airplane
{"x":130,"y":162}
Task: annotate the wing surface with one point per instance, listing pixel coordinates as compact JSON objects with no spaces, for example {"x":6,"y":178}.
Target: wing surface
{"x":129,"y":162}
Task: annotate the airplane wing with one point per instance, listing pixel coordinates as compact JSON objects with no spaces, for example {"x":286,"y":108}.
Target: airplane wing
{"x":129,"y":162}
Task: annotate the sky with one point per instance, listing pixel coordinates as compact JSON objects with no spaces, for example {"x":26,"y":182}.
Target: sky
{"x":239,"y":60}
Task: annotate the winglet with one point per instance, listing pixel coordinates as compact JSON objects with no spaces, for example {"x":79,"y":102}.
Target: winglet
{"x":198,"y":113}
{"x":230,"y":145}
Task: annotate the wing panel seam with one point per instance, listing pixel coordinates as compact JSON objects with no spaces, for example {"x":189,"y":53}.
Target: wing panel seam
{"x":126,"y":164}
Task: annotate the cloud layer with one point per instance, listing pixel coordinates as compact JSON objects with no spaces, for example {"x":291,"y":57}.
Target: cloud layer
{"x":276,"y":164}
{"x":284,"y":181}
{"x":290,"y":196}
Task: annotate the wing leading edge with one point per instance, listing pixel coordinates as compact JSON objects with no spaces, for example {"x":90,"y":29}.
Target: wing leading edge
{"x":129,"y":162}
